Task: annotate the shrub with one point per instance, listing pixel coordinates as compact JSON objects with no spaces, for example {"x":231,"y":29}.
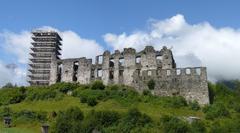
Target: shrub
{"x":83,"y":99}
{"x":114,"y":87}
{"x":69,"y":121}
{"x":11,"y":96}
{"x":31,"y":115}
{"x":151,"y":84}
{"x":198,"y":127}
{"x":194,"y":105}
{"x":6,"y":111}
{"x":217,"y":128}
{"x":91,"y":101}
{"x":215,"y":111}
{"x":174,"y":102}
{"x":97,"y":85}
{"x":100,"y":120}
{"x":146,"y":93}
{"x":98,"y":94}
{"x":134,"y":119}
{"x":173,"y":124}
{"x":43,"y":94}
{"x":64,"y":87}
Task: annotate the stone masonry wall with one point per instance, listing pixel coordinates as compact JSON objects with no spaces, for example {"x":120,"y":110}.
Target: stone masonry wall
{"x":136,"y":69}
{"x":191,"y":83}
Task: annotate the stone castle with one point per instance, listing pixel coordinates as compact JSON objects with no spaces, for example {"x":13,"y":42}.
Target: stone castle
{"x":128,"y":67}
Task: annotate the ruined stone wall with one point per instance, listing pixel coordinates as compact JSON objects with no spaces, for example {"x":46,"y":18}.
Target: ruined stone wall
{"x":129,"y":65}
{"x":84,"y":72}
{"x":190,"y":83}
{"x":136,"y":69}
{"x":71,"y":70}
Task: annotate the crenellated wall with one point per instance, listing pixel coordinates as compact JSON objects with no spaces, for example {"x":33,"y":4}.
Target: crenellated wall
{"x":136,"y":69}
{"x":190,"y":83}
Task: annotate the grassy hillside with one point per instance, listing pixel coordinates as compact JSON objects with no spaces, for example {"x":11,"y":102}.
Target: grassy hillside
{"x":31,"y":106}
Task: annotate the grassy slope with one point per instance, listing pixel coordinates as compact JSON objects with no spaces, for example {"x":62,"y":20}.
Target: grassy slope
{"x":154,"y":111}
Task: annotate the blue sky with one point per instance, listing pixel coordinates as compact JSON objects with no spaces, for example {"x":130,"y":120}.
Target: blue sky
{"x":106,"y":24}
{"x":93,"y":18}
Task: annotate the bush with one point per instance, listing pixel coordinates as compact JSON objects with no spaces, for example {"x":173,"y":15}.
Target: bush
{"x":114,"y":87}
{"x":174,"y":102}
{"x":97,"y":85}
{"x":146,"y":93}
{"x":64,"y":87}
{"x":173,"y":124}
{"x":134,"y":119}
{"x":31,"y":115}
{"x":100,"y":120}
{"x":91,"y":101}
{"x":6,"y":111}
{"x":151,"y":84}
{"x":42,"y":94}
{"x":198,"y":127}
{"x":69,"y":121}
{"x":215,"y":111}
{"x":194,"y":105}
{"x":83,"y":99}
{"x":12,"y":95}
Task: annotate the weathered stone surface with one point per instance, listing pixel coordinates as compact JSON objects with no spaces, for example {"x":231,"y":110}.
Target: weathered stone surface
{"x":136,"y":69}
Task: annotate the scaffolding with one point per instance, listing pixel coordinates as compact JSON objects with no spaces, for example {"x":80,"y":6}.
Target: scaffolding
{"x":46,"y":46}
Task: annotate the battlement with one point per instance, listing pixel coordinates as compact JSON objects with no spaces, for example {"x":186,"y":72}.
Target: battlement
{"x":177,"y":72}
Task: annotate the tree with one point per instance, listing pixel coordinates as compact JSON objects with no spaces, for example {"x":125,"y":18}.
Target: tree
{"x":8,"y":85}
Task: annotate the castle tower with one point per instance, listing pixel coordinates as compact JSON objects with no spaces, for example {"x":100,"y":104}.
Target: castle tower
{"x":46,"y":48}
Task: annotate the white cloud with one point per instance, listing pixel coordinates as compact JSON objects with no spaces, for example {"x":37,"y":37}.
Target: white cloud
{"x":76,"y":46}
{"x":193,"y":45}
{"x":18,"y":45}
{"x":5,"y":74}
{"x":14,"y":75}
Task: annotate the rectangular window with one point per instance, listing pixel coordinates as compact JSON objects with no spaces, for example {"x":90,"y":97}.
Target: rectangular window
{"x":149,"y":73}
{"x":168,"y":72}
{"x":188,"y":71}
{"x":120,"y":72}
{"x":99,"y":73}
{"x":121,"y":62}
{"x":138,"y":60}
{"x":198,"y":71}
{"x":178,"y":71}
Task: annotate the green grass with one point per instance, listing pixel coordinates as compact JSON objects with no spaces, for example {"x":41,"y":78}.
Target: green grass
{"x":68,"y":101}
{"x":154,"y":111}
{"x":21,"y":128}
{"x":117,"y":99}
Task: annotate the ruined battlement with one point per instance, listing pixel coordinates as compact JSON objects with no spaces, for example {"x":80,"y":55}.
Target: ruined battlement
{"x":127,"y":67}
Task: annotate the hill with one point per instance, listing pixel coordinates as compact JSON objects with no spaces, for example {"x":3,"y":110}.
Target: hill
{"x":70,"y":107}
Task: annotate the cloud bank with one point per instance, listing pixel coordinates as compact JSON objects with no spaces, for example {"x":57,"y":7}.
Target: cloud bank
{"x":192,"y":44}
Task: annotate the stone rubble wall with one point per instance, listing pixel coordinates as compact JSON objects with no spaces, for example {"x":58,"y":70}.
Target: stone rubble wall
{"x":136,"y":69}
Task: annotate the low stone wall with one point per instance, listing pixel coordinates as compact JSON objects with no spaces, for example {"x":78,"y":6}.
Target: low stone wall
{"x":191,"y":83}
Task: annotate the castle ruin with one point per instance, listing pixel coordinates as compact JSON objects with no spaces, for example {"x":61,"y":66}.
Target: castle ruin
{"x":128,"y":67}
